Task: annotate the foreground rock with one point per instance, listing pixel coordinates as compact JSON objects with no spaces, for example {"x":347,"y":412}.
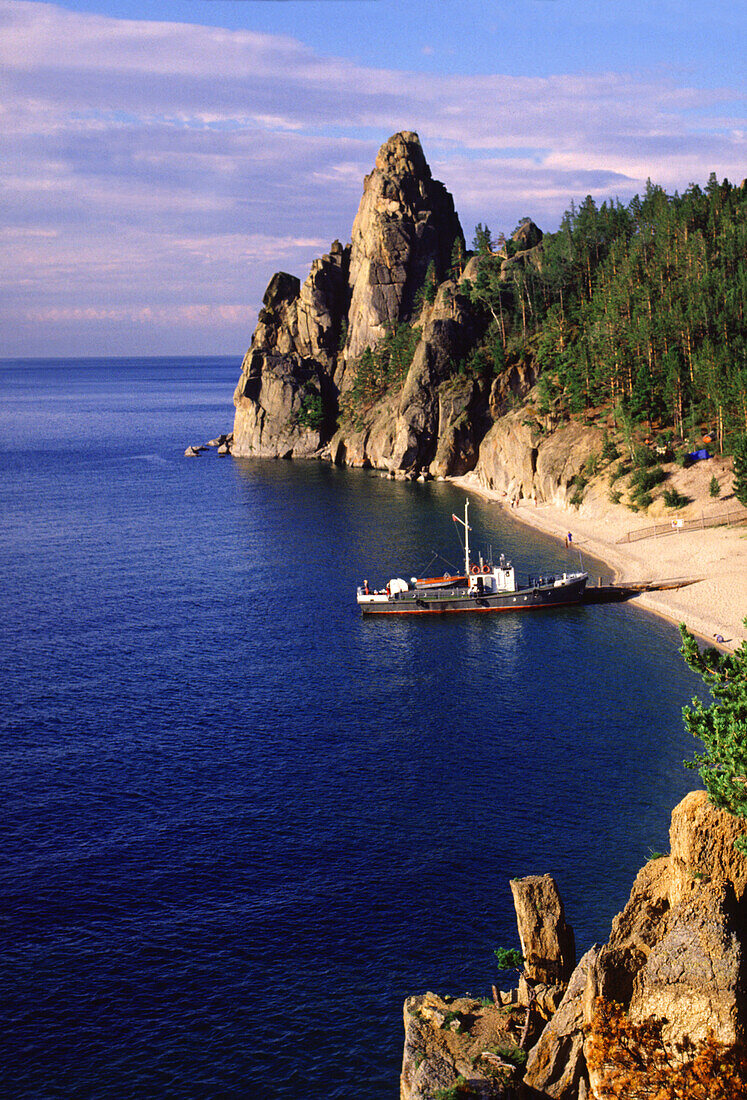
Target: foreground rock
{"x":547,"y":941}
{"x":675,"y":958}
{"x":460,"y":1042}
{"x":556,"y":1066}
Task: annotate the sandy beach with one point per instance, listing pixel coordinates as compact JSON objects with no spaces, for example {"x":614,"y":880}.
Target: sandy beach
{"x":714,"y":557}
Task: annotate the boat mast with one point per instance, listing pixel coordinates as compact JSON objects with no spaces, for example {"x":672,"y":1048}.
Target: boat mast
{"x":466,"y":538}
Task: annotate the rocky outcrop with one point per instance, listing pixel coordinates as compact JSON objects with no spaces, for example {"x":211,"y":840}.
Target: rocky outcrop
{"x":547,"y":941}
{"x":305,"y":349}
{"x":462,"y":419}
{"x":675,"y":956}
{"x":702,"y":842}
{"x":433,"y":422}
{"x":692,"y":977}
{"x":460,"y":1043}
{"x":284,"y":399}
{"x":517,"y":458}
{"x":405,"y":222}
{"x":297,"y":395}
{"x":556,"y":1065}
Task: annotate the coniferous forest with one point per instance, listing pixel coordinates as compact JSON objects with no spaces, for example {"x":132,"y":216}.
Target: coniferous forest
{"x":640,"y":307}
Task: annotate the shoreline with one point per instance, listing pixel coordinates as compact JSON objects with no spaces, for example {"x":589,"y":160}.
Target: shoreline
{"x":716,"y":558}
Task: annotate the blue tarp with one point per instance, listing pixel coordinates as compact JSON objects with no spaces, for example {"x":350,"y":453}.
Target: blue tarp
{"x":695,"y":456}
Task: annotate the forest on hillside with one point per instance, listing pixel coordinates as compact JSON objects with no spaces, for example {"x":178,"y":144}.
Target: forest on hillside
{"x":638,"y":307}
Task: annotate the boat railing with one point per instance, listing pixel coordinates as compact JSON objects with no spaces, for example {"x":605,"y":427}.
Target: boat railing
{"x":537,"y":580}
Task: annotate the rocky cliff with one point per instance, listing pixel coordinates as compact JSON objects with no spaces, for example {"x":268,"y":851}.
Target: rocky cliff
{"x":309,"y":339}
{"x":664,"y":1000}
{"x":301,"y":392}
{"x":318,"y":380}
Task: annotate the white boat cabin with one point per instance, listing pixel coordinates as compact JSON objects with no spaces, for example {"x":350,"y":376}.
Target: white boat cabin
{"x":492,"y":579}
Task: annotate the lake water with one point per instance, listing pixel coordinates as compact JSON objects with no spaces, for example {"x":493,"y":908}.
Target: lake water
{"x":241,"y":823}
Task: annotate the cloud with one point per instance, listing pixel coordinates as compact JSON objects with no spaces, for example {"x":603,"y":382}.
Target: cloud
{"x":149,"y":164}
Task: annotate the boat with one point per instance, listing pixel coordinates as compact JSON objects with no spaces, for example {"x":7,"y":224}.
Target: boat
{"x":484,"y":586}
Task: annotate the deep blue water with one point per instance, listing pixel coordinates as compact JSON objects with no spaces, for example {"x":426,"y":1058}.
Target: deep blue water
{"x":239,"y":822}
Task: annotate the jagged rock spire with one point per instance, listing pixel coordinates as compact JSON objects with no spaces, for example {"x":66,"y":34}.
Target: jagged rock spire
{"x":406,"y":221}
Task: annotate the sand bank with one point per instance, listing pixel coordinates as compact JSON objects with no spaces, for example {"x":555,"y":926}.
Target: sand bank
{"x":716,"y":557}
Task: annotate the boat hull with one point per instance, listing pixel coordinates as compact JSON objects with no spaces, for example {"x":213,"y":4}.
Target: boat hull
{"x":424,"y":602}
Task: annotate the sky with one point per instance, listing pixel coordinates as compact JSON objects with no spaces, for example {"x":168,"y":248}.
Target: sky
{"x":159,"y":161}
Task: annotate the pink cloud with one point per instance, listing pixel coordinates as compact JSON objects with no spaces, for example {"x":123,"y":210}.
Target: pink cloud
{"x":149,"y":163}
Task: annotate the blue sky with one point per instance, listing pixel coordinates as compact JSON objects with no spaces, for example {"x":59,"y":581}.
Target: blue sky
{"x":161,"y":160}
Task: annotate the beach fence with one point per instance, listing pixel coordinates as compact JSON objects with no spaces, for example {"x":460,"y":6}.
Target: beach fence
{"x":733,"y":518}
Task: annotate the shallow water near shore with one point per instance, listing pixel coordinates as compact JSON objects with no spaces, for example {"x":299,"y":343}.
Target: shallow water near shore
{"x":242,"y":822}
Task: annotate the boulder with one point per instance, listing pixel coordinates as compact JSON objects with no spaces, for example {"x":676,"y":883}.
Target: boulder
{"x":526,"y":235}
{"x":702,"y":848}
{"x":451,"y":1039}
{"x":556,"y":1066}
{"x":692,"y":977}
{"x":547,"y":941}
{"x":192,"y":452}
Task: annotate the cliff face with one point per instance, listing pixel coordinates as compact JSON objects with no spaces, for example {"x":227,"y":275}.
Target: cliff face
{"x":284,"y":399}
{"x":299,"y":394}
{"x":405,"y":222}
{"x":306,"y":346}
{"x":517,"y":458}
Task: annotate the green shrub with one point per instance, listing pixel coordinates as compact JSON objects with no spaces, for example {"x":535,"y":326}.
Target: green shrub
{"x":616,"y":496}
{"x":674,"y":499}
{"x":510,"y":1052}
{"x":383,"y":367}
{"x":311,"y":411}
{"x":609,"y":450}
{"x":714,"y":488}
{"x":509,"y":958}
{"x":644,"y":479}
{"x":720,"y":725}
{"x":740,"y":469}
{"x":643,"y":457}
{"x":591,"y":466}
{"x":460,"y":1090}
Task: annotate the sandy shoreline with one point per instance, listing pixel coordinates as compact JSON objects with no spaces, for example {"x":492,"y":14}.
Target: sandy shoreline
{"x":716,"y":556}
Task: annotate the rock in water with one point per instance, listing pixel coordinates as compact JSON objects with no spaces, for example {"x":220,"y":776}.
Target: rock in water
{"x":283,"y":399}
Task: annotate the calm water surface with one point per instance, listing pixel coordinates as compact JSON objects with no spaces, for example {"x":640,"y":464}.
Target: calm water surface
{"x":240,"y":823}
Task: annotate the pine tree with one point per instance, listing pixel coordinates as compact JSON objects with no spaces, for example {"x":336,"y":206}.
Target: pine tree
{"x":722,"y":726}
{"x":740,"y":470}
{"x":430,"y":286}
